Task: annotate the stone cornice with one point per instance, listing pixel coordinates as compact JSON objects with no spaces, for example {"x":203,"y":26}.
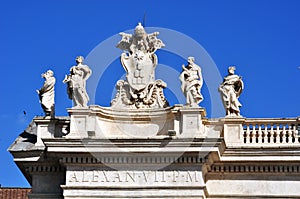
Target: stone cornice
{"x":162,"y":145}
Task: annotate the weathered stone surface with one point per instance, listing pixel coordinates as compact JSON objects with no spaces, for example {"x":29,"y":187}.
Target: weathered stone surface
{"x":140,"y":90}
{"x":230,"y":90}
{"x":101,"y":122}
{"x":76,"y":82}
{"x":191,"y":82}
{"x":46,"y":93}
{"x":101,"y":152}
{"x":142,"y":148}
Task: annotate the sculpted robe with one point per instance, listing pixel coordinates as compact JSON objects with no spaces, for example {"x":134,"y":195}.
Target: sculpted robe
{"x":230,"y":90}
{"x":46,"y":94}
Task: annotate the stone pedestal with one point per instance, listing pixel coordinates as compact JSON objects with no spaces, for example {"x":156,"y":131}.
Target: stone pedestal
{"x":233,"y":131}
{"x":80,"y":122}
{"x":45,"y":129}
{"x":100,"y":122}
{"x":191,"y":125}
{"x":49,"y":128}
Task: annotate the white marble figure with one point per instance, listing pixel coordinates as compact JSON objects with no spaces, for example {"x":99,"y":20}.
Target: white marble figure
{"x":230,"y":90}
{"x":46,"y":93}
{"x":140,"y":41}
{"x":140,"y":89}
{"x":77,"y":83}
{"x":191,"y":82}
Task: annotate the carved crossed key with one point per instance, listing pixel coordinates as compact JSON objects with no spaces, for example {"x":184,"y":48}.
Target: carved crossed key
{"x":139,"y":72}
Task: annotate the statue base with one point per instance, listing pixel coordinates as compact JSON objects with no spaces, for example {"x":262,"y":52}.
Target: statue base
{"x":103,"y":122}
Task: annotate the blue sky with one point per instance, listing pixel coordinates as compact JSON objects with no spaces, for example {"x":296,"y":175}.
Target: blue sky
{"x":260,"y":37}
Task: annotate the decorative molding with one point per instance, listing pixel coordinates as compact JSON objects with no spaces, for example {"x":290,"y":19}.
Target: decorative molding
{"x":45,"y":168}
{"x":133,"y":160}
{"x":253,"y":168}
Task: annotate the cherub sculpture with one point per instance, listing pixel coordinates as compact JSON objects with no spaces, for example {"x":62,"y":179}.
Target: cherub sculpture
{"x":140,"y":41}
{"x":76,"y":81}
{"x":46,"y":93}
{"x":191,"y":82}
{"x":230,"y":90}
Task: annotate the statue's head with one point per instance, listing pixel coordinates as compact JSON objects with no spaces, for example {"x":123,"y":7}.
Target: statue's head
{"x":48,"y":73}
{"x":139,"y":31}
{"x":79,"y":59}
{"x":231,"y":70}
{"x":191,"y":60}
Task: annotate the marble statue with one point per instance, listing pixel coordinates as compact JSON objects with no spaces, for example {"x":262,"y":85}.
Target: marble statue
{"x":46,"y":93}
{"x":230,"y":90}
{"x":76,"y":81}
{"x":140,"y":89}
{"x":191,"y":82}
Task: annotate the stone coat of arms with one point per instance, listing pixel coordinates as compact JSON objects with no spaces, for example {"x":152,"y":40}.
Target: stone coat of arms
{"x":140,"y":89}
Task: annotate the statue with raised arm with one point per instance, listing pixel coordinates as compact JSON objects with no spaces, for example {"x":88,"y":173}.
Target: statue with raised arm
{"x":46,"y":93}
{"x":230,"y":90}
{"x":140,"y":89}
{"x":191,"y":82}
{"x":76,"y":81}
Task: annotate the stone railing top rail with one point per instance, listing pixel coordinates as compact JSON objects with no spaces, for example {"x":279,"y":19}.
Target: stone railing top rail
{"x":251,"y":121}
{"x":271,"y":120}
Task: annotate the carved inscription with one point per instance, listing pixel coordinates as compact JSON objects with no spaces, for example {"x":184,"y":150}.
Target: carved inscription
{"x":95,"y":177}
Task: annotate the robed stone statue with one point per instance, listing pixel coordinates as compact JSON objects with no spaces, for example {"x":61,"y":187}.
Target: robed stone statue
{"x":191,"y":82}
{"x":46,"y":93}
{"x":76,"y":81}
{"x":230,"y":90}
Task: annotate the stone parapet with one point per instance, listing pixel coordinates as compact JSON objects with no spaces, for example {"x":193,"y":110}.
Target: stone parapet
{"x":100,"y":122}
{"x":173,"y":152}
{"x":261,"y":133}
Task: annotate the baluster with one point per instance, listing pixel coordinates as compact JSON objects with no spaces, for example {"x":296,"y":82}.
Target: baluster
{"x":290,"y":134}
{"x":295,"y":133}
{"x":259,"y":134}
{"x":277,"y":134}
{"x":265,"y":134}
{"x":248,"y":134}
{"x":284,"y":134}
{"x":272,"y":134}
{"x":253,"y":136}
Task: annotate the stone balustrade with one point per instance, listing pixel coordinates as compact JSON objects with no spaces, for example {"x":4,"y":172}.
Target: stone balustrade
{"x":237,"y":132}
{"x":261,"y":132}
{"x":271,"y":131}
